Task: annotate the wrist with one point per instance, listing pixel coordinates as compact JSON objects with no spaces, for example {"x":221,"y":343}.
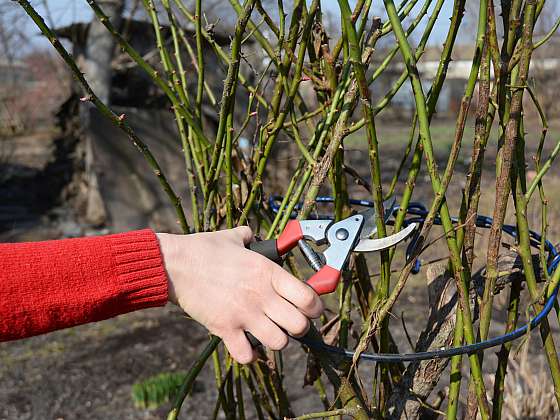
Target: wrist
{"x":168,"y":248}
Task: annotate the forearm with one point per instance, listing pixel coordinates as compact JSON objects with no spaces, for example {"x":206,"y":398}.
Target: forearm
{"x":213,"y":277}
{"x":51,"y":285}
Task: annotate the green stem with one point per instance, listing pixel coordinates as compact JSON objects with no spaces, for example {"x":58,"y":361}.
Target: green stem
{"x":377,"y":191}
{"x":182,"y":107}
{"x":200,"y":60}
{"x":503,"y":354}
{"x":191,"y":376}
{"x":274,"y":130}
{"x":543,"y":170}
{"x":221,"y":54}
{"x":322,"y":414}
{"x":228,"y":104}
{"x":462,"y":274}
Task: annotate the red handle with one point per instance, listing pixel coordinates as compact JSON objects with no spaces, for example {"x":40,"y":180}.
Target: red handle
{"x":289,"y":237}
{"x":325,"y":280}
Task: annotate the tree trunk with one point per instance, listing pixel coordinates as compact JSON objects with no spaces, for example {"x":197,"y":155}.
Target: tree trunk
{"x":100,"y":47}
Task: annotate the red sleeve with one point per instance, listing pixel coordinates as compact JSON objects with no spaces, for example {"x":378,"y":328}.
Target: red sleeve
{"x":50,"y":285}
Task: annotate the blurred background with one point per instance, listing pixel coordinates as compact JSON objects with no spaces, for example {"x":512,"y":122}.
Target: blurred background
{"x":66,"y":172}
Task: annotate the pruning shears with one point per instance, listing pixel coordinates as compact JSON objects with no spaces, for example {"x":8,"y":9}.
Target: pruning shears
{"x":360,"y":228}
{"x":342,"y":238}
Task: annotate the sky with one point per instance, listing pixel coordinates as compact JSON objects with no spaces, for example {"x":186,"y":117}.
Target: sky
{"x":64,"y":12}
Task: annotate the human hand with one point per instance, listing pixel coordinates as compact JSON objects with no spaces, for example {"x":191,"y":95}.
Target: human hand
{"x":230,"y":289}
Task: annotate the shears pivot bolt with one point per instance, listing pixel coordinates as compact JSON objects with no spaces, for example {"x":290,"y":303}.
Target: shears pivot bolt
{"x":342,"y":234}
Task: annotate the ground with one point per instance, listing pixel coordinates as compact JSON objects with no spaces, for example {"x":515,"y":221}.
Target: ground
{"x":87,"y":372}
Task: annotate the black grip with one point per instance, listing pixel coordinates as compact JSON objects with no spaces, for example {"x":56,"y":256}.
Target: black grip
{"x":253,"y":340}
{"x":268,"y":249}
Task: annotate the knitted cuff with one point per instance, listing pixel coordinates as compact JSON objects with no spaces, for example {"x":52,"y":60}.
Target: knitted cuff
{"x":141,"y":280}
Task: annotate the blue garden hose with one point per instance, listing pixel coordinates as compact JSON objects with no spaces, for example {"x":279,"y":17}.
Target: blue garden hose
{"x":419,"y":213}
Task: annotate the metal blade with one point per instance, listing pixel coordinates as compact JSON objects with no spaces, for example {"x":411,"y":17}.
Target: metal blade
{"x":370,"y":218}
{"x":370,"y":245}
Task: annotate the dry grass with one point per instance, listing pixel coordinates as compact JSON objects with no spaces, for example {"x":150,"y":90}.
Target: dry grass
{"x":529,"y":392}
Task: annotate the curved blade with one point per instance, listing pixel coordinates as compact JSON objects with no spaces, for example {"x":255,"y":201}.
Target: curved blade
{"x":370,"y":218}
{"x":370,"y":245}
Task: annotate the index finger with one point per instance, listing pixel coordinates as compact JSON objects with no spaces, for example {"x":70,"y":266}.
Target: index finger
{"x":297,"y":293}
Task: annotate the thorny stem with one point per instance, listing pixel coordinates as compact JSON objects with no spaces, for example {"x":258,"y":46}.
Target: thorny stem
{"x":462,"y":274}
{"x":179,"y":86}
{"x":228,"y":96}
{"x":200,"y":60}
{"x":481,"y":56}
{"x":503,"y":353}
{"x":181,"y":106}
{"x":274,"y":131}
{"x":220,"y":53}
{"x":524,"y":247}
{"x":360,"y":74}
